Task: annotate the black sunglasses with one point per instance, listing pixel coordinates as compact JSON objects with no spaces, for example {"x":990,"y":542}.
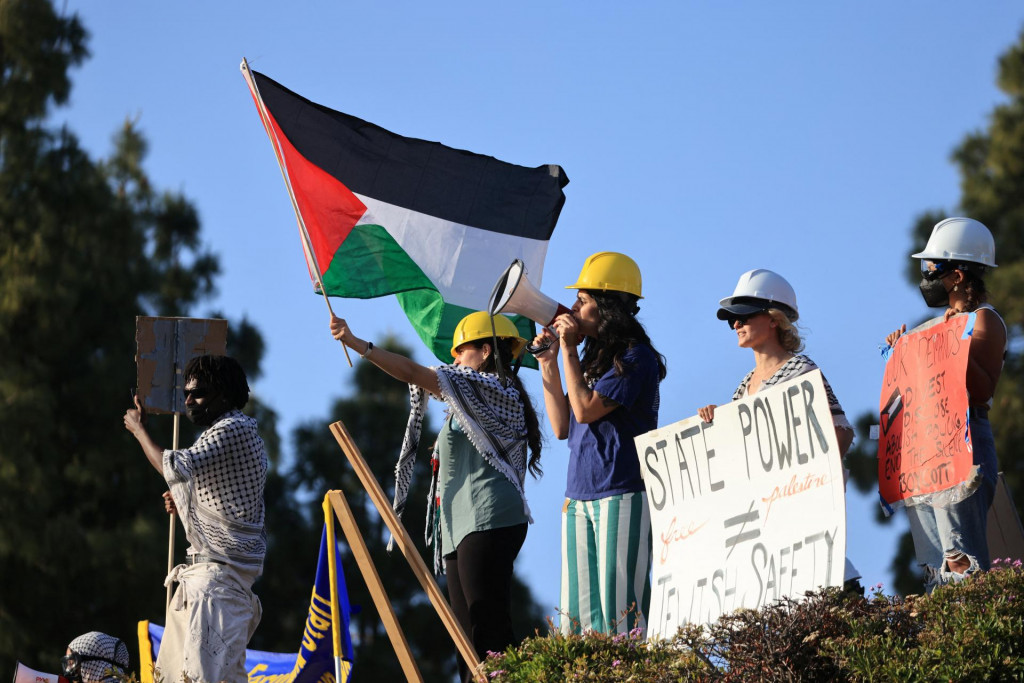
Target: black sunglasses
{"x":933,"y":275}
{"x":741,"y":319}
{"x":197,"y":392}
{"x":71,"y":665}
{"x":936,"y":270}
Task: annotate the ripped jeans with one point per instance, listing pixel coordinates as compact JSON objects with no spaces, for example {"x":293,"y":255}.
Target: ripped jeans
{"x":961,"y":528}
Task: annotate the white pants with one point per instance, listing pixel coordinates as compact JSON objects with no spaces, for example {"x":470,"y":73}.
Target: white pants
{"x":213,"y":614}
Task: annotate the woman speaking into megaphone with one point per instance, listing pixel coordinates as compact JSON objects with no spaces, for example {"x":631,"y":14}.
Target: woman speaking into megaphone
{"x":611,"y":395}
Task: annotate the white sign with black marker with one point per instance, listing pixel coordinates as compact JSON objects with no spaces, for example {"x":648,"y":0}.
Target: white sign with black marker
{"x":746,"y":509}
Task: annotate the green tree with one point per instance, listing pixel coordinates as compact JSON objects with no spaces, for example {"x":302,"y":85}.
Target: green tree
{"x":86,"y":246}
{"x":991,"y":166}
{"x":375,"y":415}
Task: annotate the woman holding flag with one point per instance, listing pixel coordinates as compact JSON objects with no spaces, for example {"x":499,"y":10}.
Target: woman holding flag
{"x":477,"y":515}
{"x":950,"y":539}
{"x":612,"y":396}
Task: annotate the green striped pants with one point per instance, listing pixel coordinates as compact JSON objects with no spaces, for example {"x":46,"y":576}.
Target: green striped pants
{"x":606,"y":564}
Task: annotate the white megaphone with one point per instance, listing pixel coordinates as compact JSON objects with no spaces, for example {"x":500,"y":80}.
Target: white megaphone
{"x":513,"y":293}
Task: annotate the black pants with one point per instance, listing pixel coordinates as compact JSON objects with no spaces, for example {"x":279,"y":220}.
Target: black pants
{"x":480,"y":588}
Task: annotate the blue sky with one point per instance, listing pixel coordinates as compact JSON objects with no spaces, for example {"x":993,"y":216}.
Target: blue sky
{"x":703,"y":139}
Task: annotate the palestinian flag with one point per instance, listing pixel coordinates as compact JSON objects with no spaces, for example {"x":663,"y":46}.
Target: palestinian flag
{"x":386,"y":214}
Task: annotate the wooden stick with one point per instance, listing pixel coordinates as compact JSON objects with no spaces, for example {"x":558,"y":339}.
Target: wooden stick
{"x":407,"y":547}
{"x":170,"y":530}
{"x":307,"y":244}
{"x":330,"y":310}
{"x":170,"y":557}
{"x":373,"y":582}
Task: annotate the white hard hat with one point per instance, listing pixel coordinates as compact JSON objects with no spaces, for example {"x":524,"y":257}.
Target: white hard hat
{"x":960,"y":239}
{"x":758,"y":290}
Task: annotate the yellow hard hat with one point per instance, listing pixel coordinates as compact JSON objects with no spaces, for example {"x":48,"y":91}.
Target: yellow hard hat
{"x":477,"y":326}
{"x":609,"y":271}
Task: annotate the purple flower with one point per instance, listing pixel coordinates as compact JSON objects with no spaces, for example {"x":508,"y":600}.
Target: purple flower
{"x":616,"y":662}
{"x":495,"y":674}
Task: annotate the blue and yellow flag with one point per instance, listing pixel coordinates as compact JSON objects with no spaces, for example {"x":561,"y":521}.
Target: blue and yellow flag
{"x":325,"y":654}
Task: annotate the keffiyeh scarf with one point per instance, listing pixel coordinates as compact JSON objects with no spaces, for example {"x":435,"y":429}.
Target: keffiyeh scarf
{"x":794,"y":367}
{"x":493,"y":419}
{"x":218,"y":486}
{"x":97,"y":644}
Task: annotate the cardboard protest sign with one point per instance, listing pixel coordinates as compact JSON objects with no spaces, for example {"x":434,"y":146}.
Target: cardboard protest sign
{"x":923,"y":441}
{"x":164,"y":347}
{"x":747,"y":509}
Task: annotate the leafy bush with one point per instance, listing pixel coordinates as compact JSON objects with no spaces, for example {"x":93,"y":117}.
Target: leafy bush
{"x":971,"y":631}
{"x":968,"y":631}
{"x":594,"y":657}
{"x":786,"y":641}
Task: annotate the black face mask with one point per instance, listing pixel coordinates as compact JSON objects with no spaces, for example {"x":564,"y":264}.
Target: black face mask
{"x":935,"y":293}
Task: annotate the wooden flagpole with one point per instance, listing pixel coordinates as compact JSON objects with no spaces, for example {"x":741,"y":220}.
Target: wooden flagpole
{"x":406,"y":545}
{"x":307,"y":243}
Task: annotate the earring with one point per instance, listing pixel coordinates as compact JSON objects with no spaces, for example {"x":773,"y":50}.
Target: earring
{"x":956,"y":287}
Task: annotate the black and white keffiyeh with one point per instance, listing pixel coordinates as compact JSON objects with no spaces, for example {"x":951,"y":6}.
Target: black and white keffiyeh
{"x":794,"y":367}
{"x":97,"y":644}
{"x":492,"y":417}
{"x":217,"y":485}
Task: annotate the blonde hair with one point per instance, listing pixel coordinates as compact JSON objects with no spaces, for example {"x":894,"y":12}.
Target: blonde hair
{"x":789,"y":335}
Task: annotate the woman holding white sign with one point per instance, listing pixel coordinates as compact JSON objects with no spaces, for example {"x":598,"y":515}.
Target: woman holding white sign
{"x":611,"y":396}
{"x":762,"y":310}
{"x":950,"y":540}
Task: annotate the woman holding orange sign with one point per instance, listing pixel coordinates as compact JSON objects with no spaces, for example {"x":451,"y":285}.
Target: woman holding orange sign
{"x":950,"y":539}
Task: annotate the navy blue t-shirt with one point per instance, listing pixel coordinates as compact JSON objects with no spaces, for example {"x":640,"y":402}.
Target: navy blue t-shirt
{"x":602,"y":456}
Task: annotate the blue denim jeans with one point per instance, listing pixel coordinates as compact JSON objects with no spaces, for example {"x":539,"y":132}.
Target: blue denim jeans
{"x":959,"y":529}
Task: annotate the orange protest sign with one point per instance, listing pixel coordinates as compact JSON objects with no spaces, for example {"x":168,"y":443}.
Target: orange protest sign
{"x":923,"y":442}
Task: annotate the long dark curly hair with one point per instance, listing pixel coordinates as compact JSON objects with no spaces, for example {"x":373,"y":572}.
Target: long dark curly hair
{"x":533,"y":434}
{"x":618,"y":331}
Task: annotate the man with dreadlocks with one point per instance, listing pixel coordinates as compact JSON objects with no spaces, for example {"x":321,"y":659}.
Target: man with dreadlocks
{"x":216,"y":486}
{"x":611,"y":395}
